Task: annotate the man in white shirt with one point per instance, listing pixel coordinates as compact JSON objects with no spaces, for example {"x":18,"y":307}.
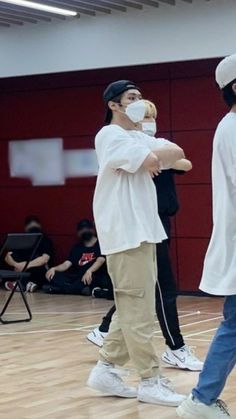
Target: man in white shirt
{"x":124,"y":195}
{"x":177,"y":353}
{"x":219,"y":273}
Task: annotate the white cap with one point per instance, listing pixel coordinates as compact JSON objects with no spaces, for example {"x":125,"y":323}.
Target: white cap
{"x":226,"y":71}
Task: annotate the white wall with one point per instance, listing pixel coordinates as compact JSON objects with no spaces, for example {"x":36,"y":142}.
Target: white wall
{"x":203,"y":29}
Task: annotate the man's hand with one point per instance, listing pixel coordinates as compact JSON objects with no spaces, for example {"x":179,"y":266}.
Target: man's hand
{"x":87,"y":278}
{"x":183,"y":165}
{"x":152,"y":164}
{"x":169,"y":155}
{"x":19,"y":266}
{"x":50,"y":274}
{"x":155,"y":173}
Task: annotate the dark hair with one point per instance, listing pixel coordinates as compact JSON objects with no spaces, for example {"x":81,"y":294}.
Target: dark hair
{"x":84,"y":224}
{"x":31,"y":219}
{"x":229,"y":95}
{"x":109,"y":114}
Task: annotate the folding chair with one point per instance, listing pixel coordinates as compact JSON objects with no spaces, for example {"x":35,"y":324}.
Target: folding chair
{"x":25,"y":241}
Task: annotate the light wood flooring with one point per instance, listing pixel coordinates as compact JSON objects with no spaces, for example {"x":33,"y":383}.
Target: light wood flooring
{"x":44,"y":364}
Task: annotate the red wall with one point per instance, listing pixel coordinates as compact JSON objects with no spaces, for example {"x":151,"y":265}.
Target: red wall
{"x":70,"y":106}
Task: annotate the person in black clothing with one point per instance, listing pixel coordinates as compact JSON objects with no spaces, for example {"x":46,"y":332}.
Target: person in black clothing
{"x":177,"y":353}
{"x":89,"y":274}
{"x":39,"y":265}
{"x":166,"y":290}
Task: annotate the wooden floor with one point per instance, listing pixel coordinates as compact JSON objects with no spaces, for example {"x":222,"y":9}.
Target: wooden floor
{"x":45,"y":363}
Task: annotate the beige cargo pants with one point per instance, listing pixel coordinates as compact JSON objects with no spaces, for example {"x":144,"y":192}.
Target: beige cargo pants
{"x":133,"y":274}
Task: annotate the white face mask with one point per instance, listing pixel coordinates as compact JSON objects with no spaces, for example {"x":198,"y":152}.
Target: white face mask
{"x":136,"y":111}
{"x":149,"y":128}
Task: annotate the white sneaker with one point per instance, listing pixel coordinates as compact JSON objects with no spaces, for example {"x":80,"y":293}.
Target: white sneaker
{"x":193,"y":409}
{"x":182,"y":358}
{"x":97,"y":337}
{"x":31,"y":287}
{"x":105,"y":378}
{"x":157,"y":390}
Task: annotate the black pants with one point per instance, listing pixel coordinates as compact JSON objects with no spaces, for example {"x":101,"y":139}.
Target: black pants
{"x":166,"y":296}
{"x":37,"y":276}
{"x":64,"y":283}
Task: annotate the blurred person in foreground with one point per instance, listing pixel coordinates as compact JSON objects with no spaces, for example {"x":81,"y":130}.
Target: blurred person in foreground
{"x":219,"y":270}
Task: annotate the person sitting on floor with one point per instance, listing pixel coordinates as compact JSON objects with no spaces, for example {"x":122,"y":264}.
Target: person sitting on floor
{"x":39,"y":265}
{"x":89,"y":274}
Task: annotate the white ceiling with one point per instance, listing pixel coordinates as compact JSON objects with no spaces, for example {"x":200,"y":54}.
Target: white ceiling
{"x":186,"y":31}
{"x":11,"y":15}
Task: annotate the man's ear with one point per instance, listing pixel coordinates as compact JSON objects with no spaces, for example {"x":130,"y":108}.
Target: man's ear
{"x":234,"y":88}
{"x":112,"y":105}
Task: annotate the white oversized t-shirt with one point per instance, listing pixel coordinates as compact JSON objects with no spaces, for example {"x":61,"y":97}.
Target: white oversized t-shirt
{"x":219,"y":273}
{"x":125,"y":200}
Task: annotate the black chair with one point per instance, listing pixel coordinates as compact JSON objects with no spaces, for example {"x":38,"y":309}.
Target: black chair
{"x":30,"y":243}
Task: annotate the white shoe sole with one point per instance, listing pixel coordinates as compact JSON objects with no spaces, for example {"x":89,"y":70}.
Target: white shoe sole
{"x":182,"y":414}
{"x":159,"y":402}
{"x":90,"y":339}
{"x":103,"y":389}
{"x":33,"y":289}
{"x":179,"y":364}
{"x":10,"y":289}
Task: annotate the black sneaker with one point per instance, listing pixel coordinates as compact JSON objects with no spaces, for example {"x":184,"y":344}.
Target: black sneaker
{"x":49,"y":289}
{"x":86,"y":291}
{"x":100,"y":293}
